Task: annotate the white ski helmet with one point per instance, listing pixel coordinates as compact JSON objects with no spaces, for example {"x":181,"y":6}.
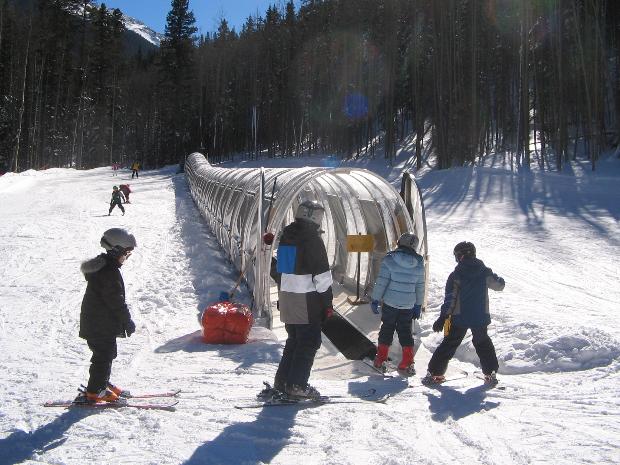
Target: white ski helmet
{"x":409,"y":241}
{"x":118,"y":240}
{"x":310,"y":210}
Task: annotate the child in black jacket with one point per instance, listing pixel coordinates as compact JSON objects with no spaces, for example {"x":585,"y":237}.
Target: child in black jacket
{"x":104,"y":315}
{"x":117,"y":199}
{"x":466,"y":306}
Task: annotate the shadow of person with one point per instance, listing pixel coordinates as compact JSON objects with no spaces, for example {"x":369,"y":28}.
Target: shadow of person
{"x":456,"y":405}
{"x":383,"y":387}
{"x":250,"y":443}
{"x":20,"y":445}
{"x":260,"y":348}
{"x":187,"y":343}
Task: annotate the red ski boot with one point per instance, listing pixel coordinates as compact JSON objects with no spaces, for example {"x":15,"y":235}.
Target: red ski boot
{"x":382,"y":355}
{"x":406,"y":364}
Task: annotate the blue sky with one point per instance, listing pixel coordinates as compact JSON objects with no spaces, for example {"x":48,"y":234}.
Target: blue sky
{"x":207,"y":12}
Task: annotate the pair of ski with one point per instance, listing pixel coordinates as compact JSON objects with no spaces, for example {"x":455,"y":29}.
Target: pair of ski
{"x":387,"y":370}
{"x":125,"y":401}
{"x":270,"y":397}
{"x":426,"y":381}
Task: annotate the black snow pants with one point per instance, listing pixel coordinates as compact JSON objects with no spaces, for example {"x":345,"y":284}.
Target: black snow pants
{"x":104,"y":352}
{"x":399,"y":320}
{"x":114,"y":204}
{"x":298,"y":356}
{"x":482,"y":343}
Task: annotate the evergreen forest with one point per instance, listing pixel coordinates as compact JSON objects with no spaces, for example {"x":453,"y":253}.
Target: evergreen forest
{"x":455,"y":79}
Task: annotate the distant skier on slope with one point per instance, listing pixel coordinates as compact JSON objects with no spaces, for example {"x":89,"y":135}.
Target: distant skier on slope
{"x":466,"y":306}
{"x":126,"y":190}
{"x":400,"y":286}
{"x":304,"y":298}
{"x":117,"y":198}
{"x":135,"y":167}
{"x":104,"y":315}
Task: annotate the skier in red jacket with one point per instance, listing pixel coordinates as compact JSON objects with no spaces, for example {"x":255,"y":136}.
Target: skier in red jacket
{"x":126,"y":191}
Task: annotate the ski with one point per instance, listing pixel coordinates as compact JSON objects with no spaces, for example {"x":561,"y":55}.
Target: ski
{"x":148,"y":395}
{"x":488,"y":385}
{"x":425,"y":382}
{"x":381,"y":371}
{"x":270,"y":397}
{"x":323,"y":400}
{"x":170,"y":406}
{"x":390,"y":371}
{"x":145,"y":395}
{"x":269,"y":393}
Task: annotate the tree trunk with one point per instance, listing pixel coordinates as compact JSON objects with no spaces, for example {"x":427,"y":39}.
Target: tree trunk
{"x":23,"y":99}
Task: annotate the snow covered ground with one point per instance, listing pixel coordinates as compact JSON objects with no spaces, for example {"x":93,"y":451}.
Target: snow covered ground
{"x":553,"y":237}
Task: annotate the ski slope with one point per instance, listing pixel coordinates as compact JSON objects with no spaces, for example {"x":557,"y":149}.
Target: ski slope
{"x":553,"y":237}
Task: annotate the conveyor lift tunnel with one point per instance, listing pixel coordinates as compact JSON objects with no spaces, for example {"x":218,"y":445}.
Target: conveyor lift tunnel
{"x":241,"y":204}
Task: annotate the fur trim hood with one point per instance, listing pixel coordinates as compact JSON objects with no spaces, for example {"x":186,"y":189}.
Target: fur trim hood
{"x":94,"y":264}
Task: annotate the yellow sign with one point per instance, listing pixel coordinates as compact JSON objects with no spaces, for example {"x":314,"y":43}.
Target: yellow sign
{"x":360,"y":243}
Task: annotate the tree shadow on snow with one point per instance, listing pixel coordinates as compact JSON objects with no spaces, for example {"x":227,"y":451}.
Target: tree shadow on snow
{"x":20,"y":445}
{"x":252,"y":443}
{"x":211,"y":269}
{"x":456,"y":405}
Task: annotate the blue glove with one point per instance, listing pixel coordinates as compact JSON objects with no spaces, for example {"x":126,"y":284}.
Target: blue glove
{"x":417,"y":310}
{"x":374,"y":306}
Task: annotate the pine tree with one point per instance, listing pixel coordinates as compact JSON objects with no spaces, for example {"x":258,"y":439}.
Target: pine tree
{"x":177,"y":78}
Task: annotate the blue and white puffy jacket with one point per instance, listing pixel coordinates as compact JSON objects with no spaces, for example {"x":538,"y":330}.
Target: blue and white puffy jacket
{"x":400,"y":283}
{"x":303,"y":275}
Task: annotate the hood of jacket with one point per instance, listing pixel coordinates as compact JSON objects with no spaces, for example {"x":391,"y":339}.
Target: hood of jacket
{"x":406,"y":259}
{"x":96,"y":264}
{"x":298,"y":231}
{"x":470,"y":268}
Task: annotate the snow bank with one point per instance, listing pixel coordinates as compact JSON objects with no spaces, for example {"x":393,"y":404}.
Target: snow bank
{"x":528,"y":352}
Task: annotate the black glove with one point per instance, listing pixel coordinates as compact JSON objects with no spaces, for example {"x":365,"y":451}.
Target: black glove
{"x":129,"y":328}
{"x":438,"y":325}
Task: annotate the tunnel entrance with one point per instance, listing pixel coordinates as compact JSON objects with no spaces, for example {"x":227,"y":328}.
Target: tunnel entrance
{"x":240,"y":204}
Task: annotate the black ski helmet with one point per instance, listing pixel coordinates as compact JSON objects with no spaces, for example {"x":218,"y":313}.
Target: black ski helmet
{"x":115,"y":188}
{"x":310,"y":210}
{"x":117,"y":241}
{"x":464,"y":250}
{"x":409,"y":241}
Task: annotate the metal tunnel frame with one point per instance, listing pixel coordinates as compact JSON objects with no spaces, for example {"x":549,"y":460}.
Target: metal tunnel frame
{"x":240,"y":204}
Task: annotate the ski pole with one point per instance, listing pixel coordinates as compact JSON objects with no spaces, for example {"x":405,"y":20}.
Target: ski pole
{"x":232,"y":291}
{"x":273,"y":188}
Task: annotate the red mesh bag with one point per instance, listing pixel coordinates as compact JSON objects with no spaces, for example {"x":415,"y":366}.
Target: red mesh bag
{"x":226,"y":323}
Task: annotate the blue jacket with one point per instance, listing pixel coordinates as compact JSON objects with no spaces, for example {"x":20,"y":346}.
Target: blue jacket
{"x":400,"y":283}
{"x":467,"y":296}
